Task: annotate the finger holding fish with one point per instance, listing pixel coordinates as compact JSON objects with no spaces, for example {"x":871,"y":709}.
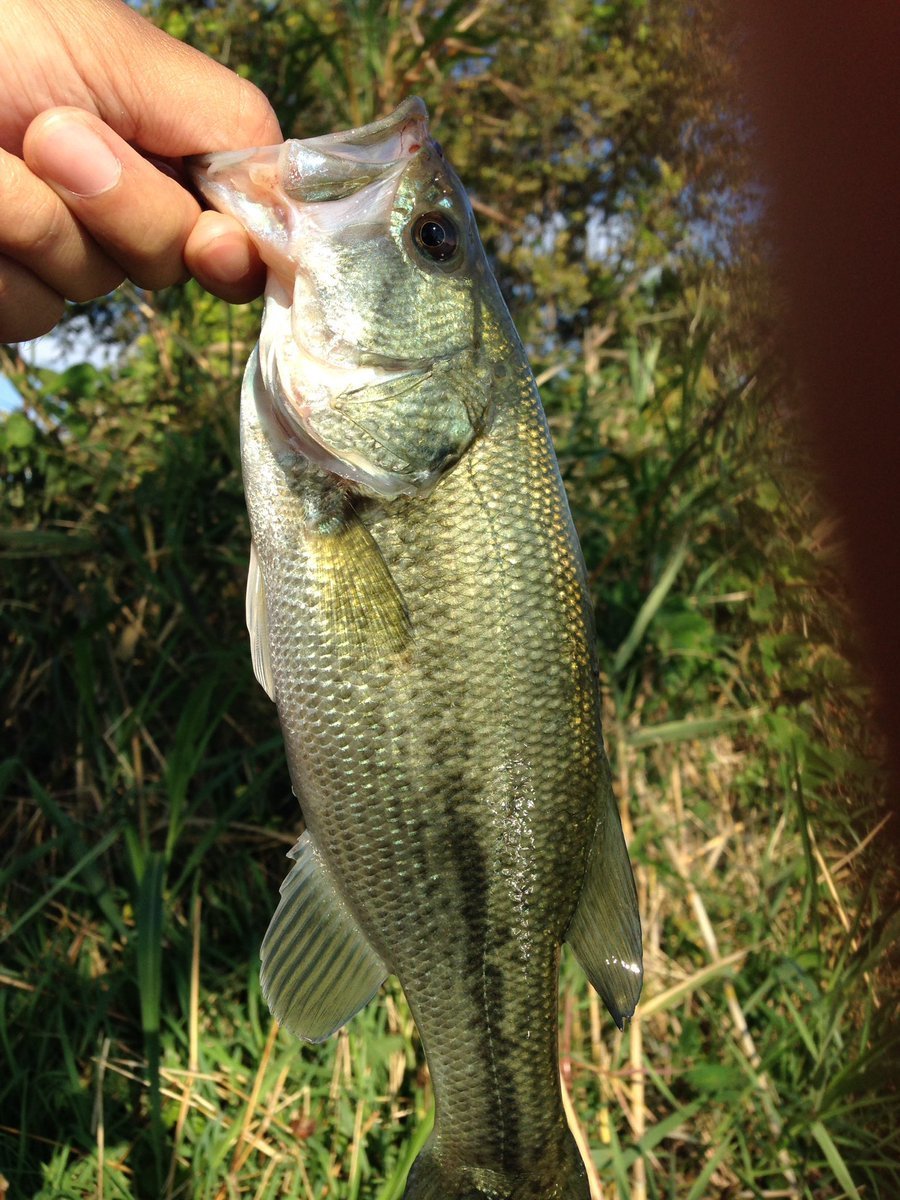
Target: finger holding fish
{"x":28,"y":307}
{"x":48,"y":256}
{"x":85,"y":211}
{"x":126,"y":215}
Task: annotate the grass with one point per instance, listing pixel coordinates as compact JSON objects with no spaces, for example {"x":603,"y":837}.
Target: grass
{"x":753,"y":1067}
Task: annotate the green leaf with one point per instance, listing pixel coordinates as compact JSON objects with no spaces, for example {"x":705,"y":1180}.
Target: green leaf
{"x":83,"y":864}
{"x":393,"y":1188}
{"x":18,"y":431}
{"x":835,"y":1161}
{"x":41,"y":543}
{"x":699,"y":1190}
{"x":668,"y":1126}
{"x":149,"y":921}
{"x":650,"y":608}
{"x":691,"y":728}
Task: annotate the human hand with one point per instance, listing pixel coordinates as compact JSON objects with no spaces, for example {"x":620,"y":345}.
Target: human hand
{"x":83,"y":82}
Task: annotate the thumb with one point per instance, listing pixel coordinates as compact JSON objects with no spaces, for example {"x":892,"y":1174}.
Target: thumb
{"x":156,"y":92}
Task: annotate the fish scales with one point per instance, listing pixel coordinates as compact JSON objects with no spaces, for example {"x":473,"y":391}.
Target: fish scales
{"x":437,"y":691}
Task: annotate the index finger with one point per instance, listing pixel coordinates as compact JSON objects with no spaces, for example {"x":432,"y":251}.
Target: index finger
{"x":139,"y":216}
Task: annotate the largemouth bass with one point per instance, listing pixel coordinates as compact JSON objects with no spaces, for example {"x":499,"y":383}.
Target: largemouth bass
{"x":419,"y":614}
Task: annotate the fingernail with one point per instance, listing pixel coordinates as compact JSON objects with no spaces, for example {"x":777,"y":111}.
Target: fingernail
{"x":74,"y":157}
{"x":228,"y":258}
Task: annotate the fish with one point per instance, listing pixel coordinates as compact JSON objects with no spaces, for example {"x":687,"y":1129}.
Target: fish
{"x":419,"y":613}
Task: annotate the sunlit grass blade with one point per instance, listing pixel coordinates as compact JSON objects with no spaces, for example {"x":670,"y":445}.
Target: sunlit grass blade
{"x":85,"y":861}
{"x":835,"y":1161}
{"x":691,"y":728}
{"x":699,"y":979}
{"x":149,"y":922}
{"x":393,"y":1188}
{"x":650,"y":607}
{"x":93,"y":878}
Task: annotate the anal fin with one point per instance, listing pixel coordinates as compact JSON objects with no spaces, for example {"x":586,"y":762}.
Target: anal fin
{"x":605,"y":932}
{"x":318,"y":969}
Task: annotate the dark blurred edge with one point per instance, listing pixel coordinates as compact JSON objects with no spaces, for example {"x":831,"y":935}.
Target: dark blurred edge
{"x":825,"y":87}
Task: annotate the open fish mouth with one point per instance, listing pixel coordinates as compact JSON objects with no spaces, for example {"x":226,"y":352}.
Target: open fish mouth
{"x":326,"y":168}
{"x":360,"y":230}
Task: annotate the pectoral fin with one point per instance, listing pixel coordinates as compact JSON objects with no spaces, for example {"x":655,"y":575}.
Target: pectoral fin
{"x":258,"y":626}
{"x":605,"y":932}
{"x":318,"y":969}
{"x":358,"y":596}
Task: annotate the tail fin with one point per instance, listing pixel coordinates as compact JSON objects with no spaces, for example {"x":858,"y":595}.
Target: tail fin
{"x":435,"y":1176}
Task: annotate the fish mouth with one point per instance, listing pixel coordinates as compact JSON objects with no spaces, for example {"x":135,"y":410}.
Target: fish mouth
{"x":390,"y":140}
{"x":293,"y":199}
{"x":326,"y":168}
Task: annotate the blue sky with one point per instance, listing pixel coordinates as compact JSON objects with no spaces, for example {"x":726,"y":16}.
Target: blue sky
{"x":58,"y":354}
{"x":9,"y":397}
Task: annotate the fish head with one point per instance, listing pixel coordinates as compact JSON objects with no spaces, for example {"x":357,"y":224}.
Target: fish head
{"x":372,"y":352}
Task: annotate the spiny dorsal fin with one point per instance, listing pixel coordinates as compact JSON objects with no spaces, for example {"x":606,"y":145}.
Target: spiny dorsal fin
{"x":605,"y":931}
{"x":258,"y":626}
{"x":318,"y":969}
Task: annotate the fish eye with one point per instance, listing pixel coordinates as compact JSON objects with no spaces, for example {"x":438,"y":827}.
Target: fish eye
{"x":436,"y":235}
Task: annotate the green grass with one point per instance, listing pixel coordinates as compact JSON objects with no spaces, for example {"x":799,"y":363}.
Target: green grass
{"x":760,"y":1059}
